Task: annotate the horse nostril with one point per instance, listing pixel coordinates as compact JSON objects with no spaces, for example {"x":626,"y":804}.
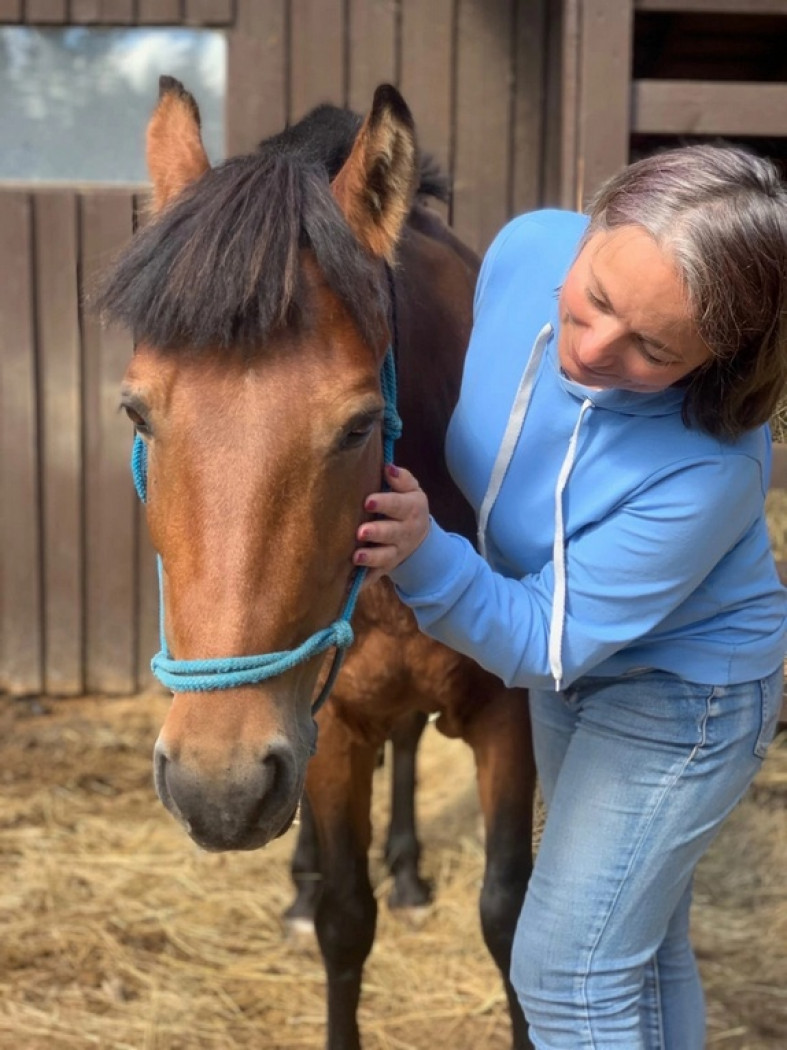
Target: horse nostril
{"x":252,"y":802}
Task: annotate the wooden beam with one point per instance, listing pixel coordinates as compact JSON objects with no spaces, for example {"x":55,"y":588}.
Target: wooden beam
{"x":696,"y":107}
{"x":715,"y":7}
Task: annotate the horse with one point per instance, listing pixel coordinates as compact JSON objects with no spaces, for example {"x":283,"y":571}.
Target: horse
{"x":267,"y":297}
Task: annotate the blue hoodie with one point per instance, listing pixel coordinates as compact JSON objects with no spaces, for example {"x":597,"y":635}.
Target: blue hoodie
{"x":615,"y":538}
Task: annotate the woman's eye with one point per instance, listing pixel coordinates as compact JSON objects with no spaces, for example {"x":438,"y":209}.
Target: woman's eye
{"x":594,"y":300}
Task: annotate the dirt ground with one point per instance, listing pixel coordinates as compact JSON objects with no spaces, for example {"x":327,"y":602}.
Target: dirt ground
{"x":118,"y":933}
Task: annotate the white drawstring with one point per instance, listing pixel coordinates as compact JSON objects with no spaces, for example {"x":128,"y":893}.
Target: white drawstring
{"x":513,"y":429}
{"x":557,"y":619}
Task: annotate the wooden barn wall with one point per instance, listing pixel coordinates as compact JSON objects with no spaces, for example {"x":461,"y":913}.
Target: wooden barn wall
{"x":78,"y":603}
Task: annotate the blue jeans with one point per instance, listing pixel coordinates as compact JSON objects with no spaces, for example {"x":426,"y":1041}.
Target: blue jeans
{"x":638,"y":774}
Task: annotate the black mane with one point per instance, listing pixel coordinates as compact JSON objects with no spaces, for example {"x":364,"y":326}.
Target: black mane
{"x":220,"y":267}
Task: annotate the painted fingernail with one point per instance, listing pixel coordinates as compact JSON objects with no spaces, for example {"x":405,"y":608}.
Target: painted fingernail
{"x":393,"y":471}
{"x":360,"y":557}
{"x":363,"y":534}
{"x":371,"y":504}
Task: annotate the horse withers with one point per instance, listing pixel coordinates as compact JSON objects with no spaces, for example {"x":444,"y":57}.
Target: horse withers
{"x":263,"y":295}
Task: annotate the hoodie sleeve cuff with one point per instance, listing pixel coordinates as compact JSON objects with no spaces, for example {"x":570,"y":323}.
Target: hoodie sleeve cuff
{"x":431,"y":566}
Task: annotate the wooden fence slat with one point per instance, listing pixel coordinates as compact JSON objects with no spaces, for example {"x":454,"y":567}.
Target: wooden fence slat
{"x":106,"y":222}
{"x":10,"y":10}
{"x":694,"y":107}
{"x":21,"y":641}
{"x":779,"y":466}
{"x":56,"y":254}
{"x":427,"y":59}
{"x":372,"y":50}
{"x":47,"y":11}
{"x":256,"y":103}
{"x":604,"y":92}
{"x":159,"y":12}
{"x":529,"y":111}
{"x":209,"y":12}
{"x":117,"y":12}
{"x":483,"y":120}
{"x":316,"y":55}
{"x":85,"y":12}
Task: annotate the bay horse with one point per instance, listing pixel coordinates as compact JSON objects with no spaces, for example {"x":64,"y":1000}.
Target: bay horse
{"x":263,"y":295}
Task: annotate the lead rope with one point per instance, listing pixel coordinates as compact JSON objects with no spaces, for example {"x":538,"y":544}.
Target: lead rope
{"x":201,"y":676}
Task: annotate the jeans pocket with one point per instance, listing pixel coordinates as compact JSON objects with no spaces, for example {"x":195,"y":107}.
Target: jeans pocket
{"x":771,"y":693}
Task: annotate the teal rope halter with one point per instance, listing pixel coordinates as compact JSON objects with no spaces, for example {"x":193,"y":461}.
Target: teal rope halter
{"x":204,"y":676}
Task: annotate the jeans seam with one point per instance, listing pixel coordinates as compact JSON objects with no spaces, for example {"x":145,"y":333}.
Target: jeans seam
{"x":658,"y":1005}
{"x":668,"y":785}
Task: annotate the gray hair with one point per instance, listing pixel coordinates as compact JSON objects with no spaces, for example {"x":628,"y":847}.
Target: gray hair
{"x":720,"y":213}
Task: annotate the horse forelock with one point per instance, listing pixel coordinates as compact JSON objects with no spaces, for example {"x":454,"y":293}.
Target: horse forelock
{"x":222,"y":266}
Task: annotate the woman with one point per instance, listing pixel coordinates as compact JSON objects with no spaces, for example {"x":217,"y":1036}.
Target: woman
{"x":612,"y":436}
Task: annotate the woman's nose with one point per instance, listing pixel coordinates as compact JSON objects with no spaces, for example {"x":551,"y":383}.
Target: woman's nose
{"x":599,"y":346}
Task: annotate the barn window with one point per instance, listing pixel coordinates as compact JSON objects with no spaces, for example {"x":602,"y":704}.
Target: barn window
{"x":76,"y":100}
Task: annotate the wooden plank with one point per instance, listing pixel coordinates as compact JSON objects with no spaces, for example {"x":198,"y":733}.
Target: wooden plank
{"x":110,"y":650}
{"x":85,"y":12}
{"x":695,"y":107}
{"x":571,"y":47}
{"x":372,"y":57}
{"x":159,"y":12}
{"x":46,"y":11}
{"x":57,"y":296}
{"x":426,"y":76}
{"x":482,"y":154}
{"x":209,"y":12}
{"x":716,"y":7}
{"x":604,"y":92}
{"x":21,"y":631}
{"x":317,"y":55}
{"x":256,"y":103}
{"x":117,"y":12}
{"x":528,"y":124}
{"x":779,"y":466}
{"x":10,"y":11}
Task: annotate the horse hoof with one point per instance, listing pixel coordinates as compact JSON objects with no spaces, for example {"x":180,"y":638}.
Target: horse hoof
{"x":300,"y":929}
{"x":410,"y":895}
{"x":414,"y":916}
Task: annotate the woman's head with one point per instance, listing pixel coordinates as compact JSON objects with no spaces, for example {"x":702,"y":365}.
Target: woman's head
{"x":720,"y":215}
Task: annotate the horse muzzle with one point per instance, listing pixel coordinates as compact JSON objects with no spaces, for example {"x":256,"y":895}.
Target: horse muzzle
{"x":243,"y":806}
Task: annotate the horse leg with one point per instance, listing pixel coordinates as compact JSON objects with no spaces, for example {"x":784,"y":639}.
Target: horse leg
{"x":339,"y":785}
{"x":402,"y":848}
{"x":501,"y":741}
{"x":305,"y":872}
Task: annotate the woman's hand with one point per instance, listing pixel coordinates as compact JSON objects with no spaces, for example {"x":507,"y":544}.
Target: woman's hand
{"x":402,"y":527}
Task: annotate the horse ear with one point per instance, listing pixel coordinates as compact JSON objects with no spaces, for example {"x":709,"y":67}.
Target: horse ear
{"x":377,"y":183}
{"x":174,"y":150}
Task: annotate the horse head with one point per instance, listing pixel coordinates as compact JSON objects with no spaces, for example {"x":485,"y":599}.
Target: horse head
{"x":258,"y":298}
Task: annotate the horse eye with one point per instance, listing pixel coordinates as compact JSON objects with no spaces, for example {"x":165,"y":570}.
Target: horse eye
{"x":357,"y":436}
{"x":140,"y":425}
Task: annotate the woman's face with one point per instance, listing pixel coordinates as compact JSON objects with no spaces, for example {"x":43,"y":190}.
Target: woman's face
{"x":624,"y":316}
